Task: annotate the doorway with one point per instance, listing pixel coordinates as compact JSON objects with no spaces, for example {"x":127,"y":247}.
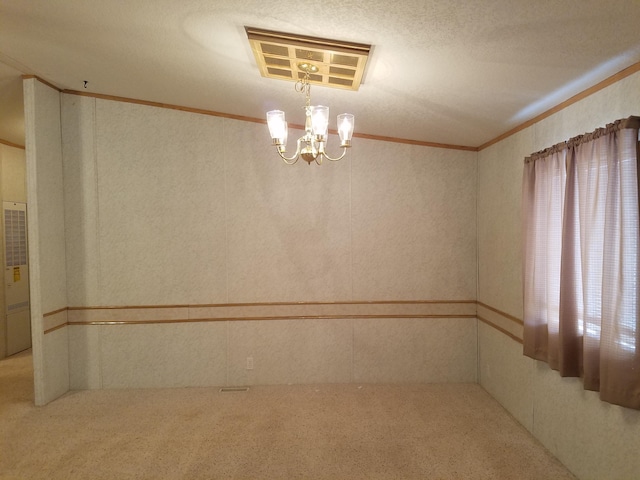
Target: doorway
{"x":15,"y":322}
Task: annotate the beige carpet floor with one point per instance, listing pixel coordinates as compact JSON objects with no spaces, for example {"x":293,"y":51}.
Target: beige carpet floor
{"x":442,"y":431}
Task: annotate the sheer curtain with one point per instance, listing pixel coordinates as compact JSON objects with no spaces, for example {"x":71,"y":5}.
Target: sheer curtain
{"x":581,"y":260}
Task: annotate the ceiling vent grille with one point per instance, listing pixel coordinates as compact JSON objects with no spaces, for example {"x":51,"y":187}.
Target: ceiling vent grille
{"x":278,"y":55}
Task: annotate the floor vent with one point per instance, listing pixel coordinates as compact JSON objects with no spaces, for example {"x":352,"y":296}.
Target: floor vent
{"x":234,"y":389}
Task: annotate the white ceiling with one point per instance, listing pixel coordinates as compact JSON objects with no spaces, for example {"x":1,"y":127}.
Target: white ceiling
{"x":458,"y":72}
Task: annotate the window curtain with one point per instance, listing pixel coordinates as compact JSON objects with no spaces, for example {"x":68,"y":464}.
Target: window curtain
{"x":581,"y":260}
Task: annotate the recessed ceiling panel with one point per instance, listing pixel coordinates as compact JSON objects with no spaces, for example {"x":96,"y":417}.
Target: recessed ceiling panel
{"x":340,"y":64}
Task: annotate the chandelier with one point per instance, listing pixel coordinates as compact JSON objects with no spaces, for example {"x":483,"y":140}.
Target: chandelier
{"x":310,"y":146}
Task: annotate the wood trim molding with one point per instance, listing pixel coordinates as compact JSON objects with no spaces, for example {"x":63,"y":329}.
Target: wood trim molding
{"x":561,"y":106}
{"x":500,"y":329}
{"x":291,"y":317}
{"x":249,"y":319}
{"x":500,"y":312}
{"x":259,"y":120}
{"x":41,"y":80}
{"x":266,"y":311}
{"x":60,"y":310}
{"x":271,"y":304}
{"x":415,"y":142}
{"x":57,"y":327}
{"x":164,"y":105}
{"x":11,"y":144}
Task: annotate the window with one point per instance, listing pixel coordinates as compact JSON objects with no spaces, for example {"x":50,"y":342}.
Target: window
{"x":581,"y":260}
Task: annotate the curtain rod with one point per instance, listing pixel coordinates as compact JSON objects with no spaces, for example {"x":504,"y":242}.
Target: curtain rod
{"x":632,"y":122}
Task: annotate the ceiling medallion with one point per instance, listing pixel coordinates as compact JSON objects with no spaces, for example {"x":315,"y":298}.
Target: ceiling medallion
{"x":337,"y":64}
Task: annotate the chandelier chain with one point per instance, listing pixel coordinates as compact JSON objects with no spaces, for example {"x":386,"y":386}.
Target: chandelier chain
{"x":303,"y":86}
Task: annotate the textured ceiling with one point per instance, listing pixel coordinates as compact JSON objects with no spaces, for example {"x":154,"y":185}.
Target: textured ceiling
{"x":446,"y":71}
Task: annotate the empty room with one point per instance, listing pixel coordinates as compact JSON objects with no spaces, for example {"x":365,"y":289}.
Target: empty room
{"x":208,"y":275}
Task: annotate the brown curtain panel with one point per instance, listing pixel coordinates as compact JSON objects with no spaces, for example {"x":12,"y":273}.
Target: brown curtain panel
{"x":581,"y":260}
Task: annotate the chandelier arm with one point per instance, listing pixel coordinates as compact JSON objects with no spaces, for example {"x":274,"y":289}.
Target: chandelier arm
{"x":344,"y":152}
{"x":294,"y":158}
{"x":289,"y":161}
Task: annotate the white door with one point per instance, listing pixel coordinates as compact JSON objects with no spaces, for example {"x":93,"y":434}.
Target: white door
{"x":16,"y":277}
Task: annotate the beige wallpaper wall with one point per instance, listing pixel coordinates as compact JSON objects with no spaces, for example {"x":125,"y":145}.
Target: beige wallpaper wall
{"x":14,"y":188}
{"x":165,"y":207}
{"x":170,"y":207}
{"x":594,"y":439}
{"x":46,"y":231}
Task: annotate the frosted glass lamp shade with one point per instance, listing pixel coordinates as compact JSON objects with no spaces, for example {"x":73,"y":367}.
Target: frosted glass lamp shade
{"x":320,"y":120}
{"x":277,"y":126}
{"x":346,"y":123}
{"x":286,"y":135}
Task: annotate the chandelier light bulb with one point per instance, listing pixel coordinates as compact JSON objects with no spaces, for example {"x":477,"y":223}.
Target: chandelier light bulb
{"x":277,"y":126}
{"x":320,"y":120}
{"x":345,"y":128}
{"x":286,"y":135}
